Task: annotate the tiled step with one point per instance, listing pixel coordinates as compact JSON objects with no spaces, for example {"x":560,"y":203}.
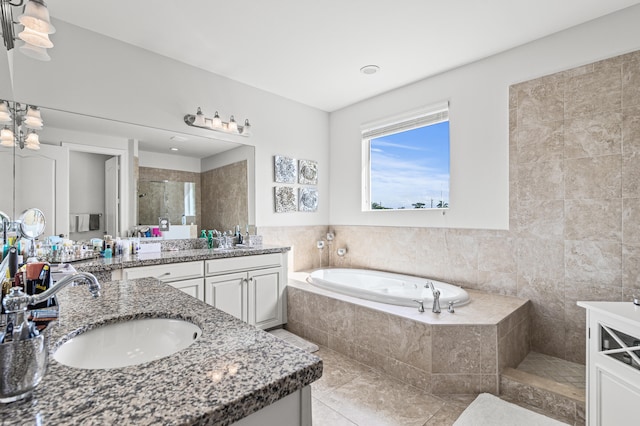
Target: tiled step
{"x":561,"y":400}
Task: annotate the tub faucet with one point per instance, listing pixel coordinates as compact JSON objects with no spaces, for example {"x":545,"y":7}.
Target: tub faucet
{"x":436,"y":297}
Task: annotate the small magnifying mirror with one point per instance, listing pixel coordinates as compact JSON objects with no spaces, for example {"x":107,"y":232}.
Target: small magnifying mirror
{"x":32,"y":223}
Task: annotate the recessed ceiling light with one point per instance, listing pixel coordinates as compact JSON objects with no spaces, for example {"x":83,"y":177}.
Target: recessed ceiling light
{"x":178,"y":138}
{"x":369,"y":69}
{"x":173,"y":148}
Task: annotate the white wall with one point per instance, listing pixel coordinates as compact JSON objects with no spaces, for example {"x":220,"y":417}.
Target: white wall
{"x":86,"y":194}
{"x":478,"y":95}
{"x":103,"y":77}
{"x":168,"y":161}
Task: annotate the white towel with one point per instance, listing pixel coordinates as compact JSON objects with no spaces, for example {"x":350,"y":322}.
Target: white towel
{"x":73,"y":223}
{"x":83,"y":223}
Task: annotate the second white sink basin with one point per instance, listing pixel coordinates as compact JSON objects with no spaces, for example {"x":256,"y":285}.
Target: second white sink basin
{"x":127,"y":343}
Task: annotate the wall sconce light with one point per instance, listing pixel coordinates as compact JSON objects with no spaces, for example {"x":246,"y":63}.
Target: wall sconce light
{"x":215,"y":123}
{"x":21,"y":123}
{"x":37,"y":27}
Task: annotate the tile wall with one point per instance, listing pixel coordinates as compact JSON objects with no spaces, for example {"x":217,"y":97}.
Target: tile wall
{"x":225,"y":197}
{"x":574,"y":209}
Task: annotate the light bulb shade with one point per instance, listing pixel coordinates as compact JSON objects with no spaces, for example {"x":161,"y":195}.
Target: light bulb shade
{"x":6,"y":137}
{"x":5,"y":114}
{"x":32,"y":138}
{"x":246,"y":130}
{"x":35,"y":38}
{"x":233,"y":126}
{"x":33,"y":119}
{"x":36,"y":17}
{"x":199,"y":121}
{"x":216,"y":122}
{"x":35,"y":52}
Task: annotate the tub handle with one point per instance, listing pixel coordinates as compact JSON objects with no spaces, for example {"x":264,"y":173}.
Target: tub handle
{"x":420,"y":305}
{"x":451,"y":310}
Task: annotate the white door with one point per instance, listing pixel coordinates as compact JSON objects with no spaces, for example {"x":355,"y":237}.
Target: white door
{"x":111,"y":196}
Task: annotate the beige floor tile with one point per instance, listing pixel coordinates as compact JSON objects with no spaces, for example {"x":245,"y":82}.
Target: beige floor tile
{"x":338,"y":370}
{"x":373,"y":399}
{"x":446,"y":416}
{"x":325,"y":416}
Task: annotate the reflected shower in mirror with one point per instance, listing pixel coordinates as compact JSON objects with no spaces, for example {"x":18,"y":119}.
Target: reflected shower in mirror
{"x":175,"y":201}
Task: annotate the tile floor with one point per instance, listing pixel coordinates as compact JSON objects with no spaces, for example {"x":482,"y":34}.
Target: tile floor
{"x":350,"y":393}
{"x":556,"y":369}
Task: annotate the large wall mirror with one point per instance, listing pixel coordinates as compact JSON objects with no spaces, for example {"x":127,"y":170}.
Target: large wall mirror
{"x":93,"y":176}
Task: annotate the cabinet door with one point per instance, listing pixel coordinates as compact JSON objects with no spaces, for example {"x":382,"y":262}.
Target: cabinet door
{"x":617,"y":399}
{"x":194,"y":287}
{"x":265,"y":301}
{"x":228,"y":293}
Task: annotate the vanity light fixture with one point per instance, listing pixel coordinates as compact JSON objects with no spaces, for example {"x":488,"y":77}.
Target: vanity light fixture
{"x":21,"y":123}
{"x":216,"y":123}
{"x":37,"y":27}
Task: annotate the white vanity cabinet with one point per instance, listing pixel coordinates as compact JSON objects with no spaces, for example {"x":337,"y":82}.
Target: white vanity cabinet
{"x":613,"y":362}
{"x":250,"y":288}
{"x":188,"y":276}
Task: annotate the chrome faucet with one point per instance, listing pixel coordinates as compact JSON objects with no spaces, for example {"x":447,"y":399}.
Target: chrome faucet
{"x":436,"y":297}
{"x":16,"y":302}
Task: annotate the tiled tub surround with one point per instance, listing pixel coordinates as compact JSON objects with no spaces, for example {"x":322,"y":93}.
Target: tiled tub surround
{"x":574,"y":234}
{"x":231,"y":371}
{"x":444,"y":353}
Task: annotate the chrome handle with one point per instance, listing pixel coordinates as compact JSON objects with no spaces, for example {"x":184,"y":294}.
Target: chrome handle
{"x":420,"y":305}
{"x":166,"y":274}
{"x":450,"y":309}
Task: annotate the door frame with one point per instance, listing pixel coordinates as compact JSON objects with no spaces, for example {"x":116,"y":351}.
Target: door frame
{"x":124,"y":184}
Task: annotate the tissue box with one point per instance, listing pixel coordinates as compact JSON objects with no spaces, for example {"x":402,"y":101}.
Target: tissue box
{"x":150,"y":248}
{"x":254,"y":241}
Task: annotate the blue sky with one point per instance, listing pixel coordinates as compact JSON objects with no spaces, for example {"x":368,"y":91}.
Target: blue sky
{"x":410,"y":167}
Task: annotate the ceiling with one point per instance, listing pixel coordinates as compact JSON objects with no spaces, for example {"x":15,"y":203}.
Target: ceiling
{"x":312,"y":51}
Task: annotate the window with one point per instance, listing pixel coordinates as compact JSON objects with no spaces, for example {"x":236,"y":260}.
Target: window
{"x":406,"y":161}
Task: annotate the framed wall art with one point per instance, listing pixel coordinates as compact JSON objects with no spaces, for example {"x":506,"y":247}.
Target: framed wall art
{"x":285,"y":169}
{"x":308,"y":199}
{"x":308,"y":172}
{"x":285,"y":199}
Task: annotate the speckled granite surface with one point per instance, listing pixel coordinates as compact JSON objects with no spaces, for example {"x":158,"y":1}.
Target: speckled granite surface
{"x":164,"y":257}
{"x":231,"y":371}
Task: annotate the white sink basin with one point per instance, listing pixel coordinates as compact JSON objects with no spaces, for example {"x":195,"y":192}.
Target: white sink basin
{"x":127,"y":343}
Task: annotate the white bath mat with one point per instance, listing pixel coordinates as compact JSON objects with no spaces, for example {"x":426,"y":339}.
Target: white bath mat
{"x":294,"y":340}
{"x":489,"y":410}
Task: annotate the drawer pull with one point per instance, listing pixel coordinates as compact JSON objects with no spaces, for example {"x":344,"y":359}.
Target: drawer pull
{"x":166,"y":274}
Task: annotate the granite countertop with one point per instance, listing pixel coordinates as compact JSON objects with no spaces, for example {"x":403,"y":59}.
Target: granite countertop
{"x":164,"y":257}
{"x":231,"y":371}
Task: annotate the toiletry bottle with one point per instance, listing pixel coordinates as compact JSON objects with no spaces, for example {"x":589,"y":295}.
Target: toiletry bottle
{"x":108,"y":251}
{"x":6,"y":288}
